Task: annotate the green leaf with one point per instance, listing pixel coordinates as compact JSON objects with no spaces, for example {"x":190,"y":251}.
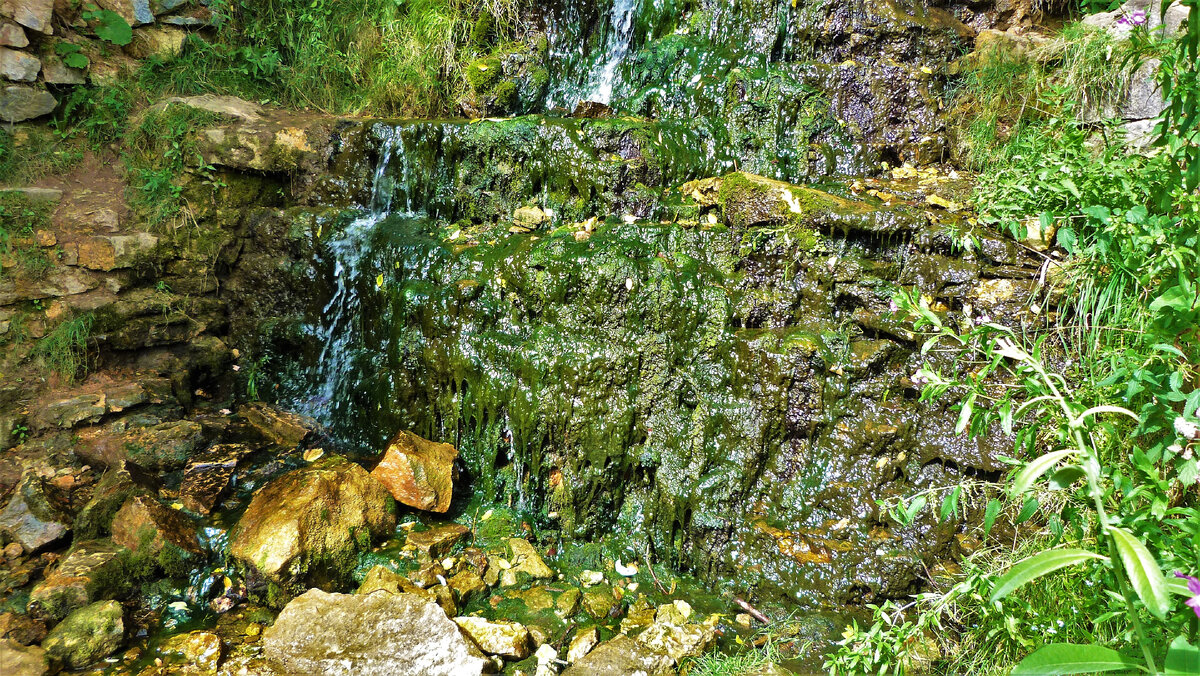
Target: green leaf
{"x":1036,"y":566}
{"x":76,"y":60}
{"x":950,"y":503}
{"x":1028,"y":509}
{"x":989,"y":516}
{"x":1143,"y":572}
{"x":112,"y":27}
{"x":1183,"y":658}
{"x":964,"y":418}
{"x":1036,"y":468}
{"x":1058,"y":659}
{"x":1066,"y":476}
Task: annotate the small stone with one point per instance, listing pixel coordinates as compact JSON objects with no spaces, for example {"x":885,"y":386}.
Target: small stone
{"x":582,"y":644}
{"x":418,"y":473}
{"x":507,"y":639}
{"x":567,"y":603}
{"x":525,"y":562}
{"x":598,"y":602}
{"x":161,"y":42}
{"x":45,"y":238}
{"x":677,"y":640}
{"x":12,"y":35}
{"x":67,"y":413}
{"x":87,"y":635}
{"x":744,"y":620}
{"x":276,"y":426}
{"x":19,"y":66}
{"x":13,"y":550}
{"x":19,"y":660}
{"x":23,"y":628}
{"x":146,"y":526}
{"x":530,"y":217}
{"x":19,"y":103}
{"x":55,"y":72}
{"x":467,"y":586}
{"x":135,"y":12}
{"x":114,"y":252}
{"x":439,"y":540}
{"x":201,"y":649}
{"x":32,"y":518}
{"x":84,"y":576}
{"x":619,"y":657}
{"x":109,"y":495}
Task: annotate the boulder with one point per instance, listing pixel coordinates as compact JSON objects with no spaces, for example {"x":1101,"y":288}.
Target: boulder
{"x":677,"y":641}
{"x":276,"y":426}
{"x":494,"y":637}
{"x":32,"y":14}
{"x":166,"y":446}
{"x":19,"y":66}
{"x":32,"y":517}
{"x":69,"y":412}
{"x":621,"y":656}
{"x":110,"y":493}
{"x":19,"y":103}
{"x":201,"y":650}
{"x":207,"y":476}
{"x":146,"y":527}
{"x":87,"y":635}
{"x":160,"y":42}
{"x":439,"y":540}
{"x":466,"y":585}
{"x":24,"y":628}
{"x":12,"y":35}
{"x":89,"y":573}
{"x":368,"y":635}
{"x":306,"y":527}
{"x":530,"y":217}
{"x":418,"y":473}
{"x":19,"y":660}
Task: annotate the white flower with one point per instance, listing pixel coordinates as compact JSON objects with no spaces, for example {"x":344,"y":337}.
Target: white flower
{"x":1187,"y":430}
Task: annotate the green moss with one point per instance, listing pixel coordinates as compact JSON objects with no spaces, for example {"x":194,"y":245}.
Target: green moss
{"x":484,"y":73}
{"x":484,"y":30}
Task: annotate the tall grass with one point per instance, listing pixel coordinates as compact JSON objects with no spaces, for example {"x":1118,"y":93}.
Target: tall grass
{"x":378,"y":56}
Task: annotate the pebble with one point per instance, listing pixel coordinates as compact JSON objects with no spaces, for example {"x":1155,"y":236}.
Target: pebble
{"x":13,"y":550}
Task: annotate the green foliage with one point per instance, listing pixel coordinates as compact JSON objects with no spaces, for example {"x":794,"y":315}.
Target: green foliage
{"x":19,"y":220}
{"x":110,"y":26}
{"x":39,"y":153}
{"x":159,"y":151}
{"x":388,"y":57}
{"x":99,"y":114}
{"x":64,"y":350}
{"x":71,"y":55}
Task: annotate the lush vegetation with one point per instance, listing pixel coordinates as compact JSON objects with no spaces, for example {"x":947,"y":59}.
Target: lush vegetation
{"x":1102,"y":397}
{"x":380,"y":56}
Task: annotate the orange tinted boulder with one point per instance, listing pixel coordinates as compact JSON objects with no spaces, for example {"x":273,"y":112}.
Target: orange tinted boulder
{"x":418,"y":472}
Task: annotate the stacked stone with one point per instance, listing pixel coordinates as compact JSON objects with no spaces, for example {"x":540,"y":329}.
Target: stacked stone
{"x":31,"y":69}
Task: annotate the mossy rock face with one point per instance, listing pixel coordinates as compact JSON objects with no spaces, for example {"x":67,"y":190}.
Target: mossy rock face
{"x":307,"y":527}
{"x":87,"y":635}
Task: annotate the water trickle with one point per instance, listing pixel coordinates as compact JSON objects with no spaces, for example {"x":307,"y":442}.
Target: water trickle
{"x":603,"y":77}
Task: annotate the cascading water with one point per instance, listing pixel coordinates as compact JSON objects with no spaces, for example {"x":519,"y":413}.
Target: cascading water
{"x":603,"y":77}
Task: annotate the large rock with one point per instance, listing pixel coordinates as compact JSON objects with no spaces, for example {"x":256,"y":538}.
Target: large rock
{"x":18,"y":66}
{"x":494,"y":637}
{"x":281,"y":428}
{"x":136,"y":12}
{"x":54,"y":71}
{"x":88,"y":635}
{"x":166,"y":446}
{"x":306,"y":528}
{"x":118,"y":484}
{"x":439,"y":540}
{"x":114,"y":252}
{"x":19,"y":660}
{"x":418,"y":472}
{"x":527,"y":564}
{"x":207,"y":476}
{"x":19,"y":103}
{"x":31,"y":517}
{"x":32,"y":14}
{"x":89,"y":573}
{"x":146,"y":526}
{"x":622,"y":656}
{"x":367,"y":635}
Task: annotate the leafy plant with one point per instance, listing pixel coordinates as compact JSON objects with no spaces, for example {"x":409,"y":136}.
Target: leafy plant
{"x":110,"y":26}
{"x":71,"y":55}
{"x":64,"y":350}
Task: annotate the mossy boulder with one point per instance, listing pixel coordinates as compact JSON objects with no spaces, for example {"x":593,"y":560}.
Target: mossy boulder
{"x":88,"y":635}
{"x":306,"y":528}
{"x":116,"y":486}
{"x":89,"y":572}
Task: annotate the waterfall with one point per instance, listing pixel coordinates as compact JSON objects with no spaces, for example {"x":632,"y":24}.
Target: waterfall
{"x":604,"y":75}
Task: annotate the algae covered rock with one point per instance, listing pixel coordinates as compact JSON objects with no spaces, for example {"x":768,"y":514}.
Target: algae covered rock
{"x":306,"y":527}
{"x":207,"y":477}
{"x":89,"y":572}
{"x":147,"y":527}
{"x":87,"y":635}
{"x":367,"y":635}
{"x":111,"y":492}
{"x":418,"y":472}
{"x":621,"y":656}
{"x":526,"y":564}
{"x":439,"y":540}
{"x":278,"y":427}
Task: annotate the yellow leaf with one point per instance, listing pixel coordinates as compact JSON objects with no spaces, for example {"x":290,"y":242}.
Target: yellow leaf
{"x":379,"y":281}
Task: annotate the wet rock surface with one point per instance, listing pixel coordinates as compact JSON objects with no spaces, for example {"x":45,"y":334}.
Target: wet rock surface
{"x":377,"y":633}
{"x":87,"y":635}
{"x":307,"y":526}
{"x":418,"y":472}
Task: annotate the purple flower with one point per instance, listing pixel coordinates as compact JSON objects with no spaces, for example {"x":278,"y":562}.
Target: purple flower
{"x":1137,"y":18}
{"x":1194,"y":588}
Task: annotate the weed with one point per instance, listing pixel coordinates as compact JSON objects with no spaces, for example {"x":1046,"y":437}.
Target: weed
{"x":64,"y":350}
